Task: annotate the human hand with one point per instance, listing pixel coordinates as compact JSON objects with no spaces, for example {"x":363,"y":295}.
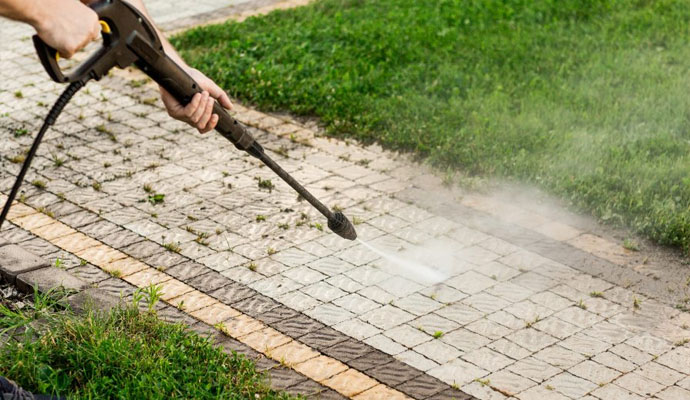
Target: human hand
{"x":66,"y":25}
{"x":199,"y":112}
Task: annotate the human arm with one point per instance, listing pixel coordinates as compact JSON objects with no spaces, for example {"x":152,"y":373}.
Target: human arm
{"x":65,"y":25}
{"x":199,"y":112}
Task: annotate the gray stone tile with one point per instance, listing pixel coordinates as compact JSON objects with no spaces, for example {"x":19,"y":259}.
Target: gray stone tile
{"x":387,"y":317}
{"x":570,"y":385}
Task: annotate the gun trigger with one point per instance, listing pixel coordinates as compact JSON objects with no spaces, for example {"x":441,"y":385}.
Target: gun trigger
{"x":105,"y":28}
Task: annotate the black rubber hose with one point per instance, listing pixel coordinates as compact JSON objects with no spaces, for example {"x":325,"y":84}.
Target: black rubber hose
{"x":50,"y":119}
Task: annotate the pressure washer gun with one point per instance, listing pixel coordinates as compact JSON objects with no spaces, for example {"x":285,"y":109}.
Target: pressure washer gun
{"x":129,"y":38}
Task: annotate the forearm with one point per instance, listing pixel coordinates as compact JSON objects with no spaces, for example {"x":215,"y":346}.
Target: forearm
{"x":21,"y":10}
{"x":169,"y":49}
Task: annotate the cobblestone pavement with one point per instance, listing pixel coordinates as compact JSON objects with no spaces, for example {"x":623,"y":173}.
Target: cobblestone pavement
{"x":536,"y":305}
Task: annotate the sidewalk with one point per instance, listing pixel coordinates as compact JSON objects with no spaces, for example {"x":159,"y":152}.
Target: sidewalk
{"x":540,"y":304}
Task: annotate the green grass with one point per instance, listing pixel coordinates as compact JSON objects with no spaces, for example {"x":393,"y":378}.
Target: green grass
{"x":589,"y":99}
{"x":124,"y":354}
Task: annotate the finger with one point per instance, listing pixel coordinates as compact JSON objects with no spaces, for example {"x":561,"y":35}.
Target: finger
{"x":206,"y":117}
{"x":190,"y":108}
{"x":220,"y":95}
{"x":211,"y":124}
{"x":201,"y":108}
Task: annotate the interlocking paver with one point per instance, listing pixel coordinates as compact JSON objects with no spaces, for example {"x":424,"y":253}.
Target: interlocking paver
{"x":639,"y":384}
{"x":534,"y":369}
{"x":508,"y":382}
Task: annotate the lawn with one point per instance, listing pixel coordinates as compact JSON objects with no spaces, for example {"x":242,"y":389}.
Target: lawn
{"x":123,"y":354}
{"x":589,"y":99}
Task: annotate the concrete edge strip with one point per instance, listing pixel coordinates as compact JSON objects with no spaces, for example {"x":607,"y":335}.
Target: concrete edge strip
{"x":247,"y":330}
{"x":236,"y":12}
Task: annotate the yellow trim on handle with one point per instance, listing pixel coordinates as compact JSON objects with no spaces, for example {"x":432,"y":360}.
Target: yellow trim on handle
{"x":105,"y":28}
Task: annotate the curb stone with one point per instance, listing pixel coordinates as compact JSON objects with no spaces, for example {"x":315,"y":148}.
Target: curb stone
{"x":14,"y":261}
{"x":49,"y":278}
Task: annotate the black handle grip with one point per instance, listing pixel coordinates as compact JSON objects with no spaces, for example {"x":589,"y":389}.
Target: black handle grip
{"x":175,"y":80}
{"x":49,"y":58}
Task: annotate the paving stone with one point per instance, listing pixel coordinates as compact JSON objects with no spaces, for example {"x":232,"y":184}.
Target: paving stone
{"x":357,"y":329}
{"x":100,"y":229}
{"x":49,"y":278}
{"x":393,"y":373}
{"x":614,"y":361}
{"x":556,"y":327}
{"x":508,"y":382}
{"x":673,"y":393}
{"x":399,"y":287}
{"x":510,"y":349}
{"x":282,"y":378}
{"x":464,"y":340}
{"x":677,"y":359}
{"x":377,"y":294}
{"x":320,"y":368}
{"x":534,"y":369}
{"x":89,"y":274}
{"x":450,"y":394}
{"x":461,"y":313}
{"x":207,"y":282}
{"x":541,"y":393}
{"x":659,"y":373}
{"x":307,"y":388}
{"x":142,"y":249}
{"x":471,"y":282}
{"x":116,"y":287}
{"x":416,"y":360}
{"x":559,"y":357}
{"x":531,"y":339}
{"x":639,"y":384}
{"x":322,"y":338}
{"x":632,"y":354}
{"x":608,"y":332}
{"x":323,"y":291}
{"x":93,"y":299}
{"x":614,"y":392}
{"x":255,"y":305}
{"x":14,"y":260}
{"x":231,"y":293}
{"x":385,"y":344}
{"x":387,"y":317}
{"x":488,"y":359}
{"x":293,"y":352}
{"x":407,"y":335}
{"x":510,"y":291}
{"x":215,"y":313}
{"x":438,"y":351}
{"x":584,"y":344}
{"x":649,"y":344}
{"x":444,"y":293}
{"x":329,"y":314}
{"x":350,"y":382}
{"x":121,"y":238}
{"x":189,"y":270}
{"x":165,"y":259}
{"x":356,"y":303}
{"x":299,"y":326}
{"x":417,"y":304}
{"x":578,"y":316}
{"x":594,"y":372}
{"x":370,"y":360}
{"x":277,"y":314}
{"x":506,"y":319}
{"x":422,"y":386}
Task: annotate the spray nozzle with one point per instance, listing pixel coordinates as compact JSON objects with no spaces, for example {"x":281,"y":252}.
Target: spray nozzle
{"x":340,"y":225}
